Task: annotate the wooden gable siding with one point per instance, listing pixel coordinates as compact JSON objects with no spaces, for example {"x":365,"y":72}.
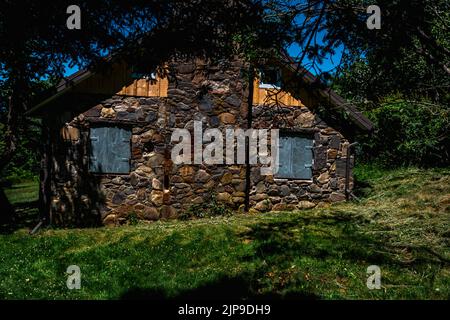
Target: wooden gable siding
{"x":118,"y":81}
{"x":264,"y":96}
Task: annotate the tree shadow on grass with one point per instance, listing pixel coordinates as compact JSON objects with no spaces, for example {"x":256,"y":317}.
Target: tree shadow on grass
{"x":225,"y":288}
{"x":26,"y":215}
{"x":277,"y":245}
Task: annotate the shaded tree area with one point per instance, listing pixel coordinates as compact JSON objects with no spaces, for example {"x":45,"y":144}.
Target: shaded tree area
{"x":400,"y":79}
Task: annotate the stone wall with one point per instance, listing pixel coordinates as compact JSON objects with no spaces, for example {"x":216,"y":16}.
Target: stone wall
{"x":329,"y":162}
{"x":156,"y":188}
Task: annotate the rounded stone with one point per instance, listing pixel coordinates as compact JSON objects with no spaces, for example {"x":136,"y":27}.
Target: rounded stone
{"x":223,"y":197}
{"x":227,"y":118}
{"x":263,"y":206}
{"x":157,"y":197}
{"x":305,"y":205}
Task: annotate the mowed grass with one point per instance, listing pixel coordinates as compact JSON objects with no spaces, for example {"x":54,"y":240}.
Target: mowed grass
{"x":401,"y":224}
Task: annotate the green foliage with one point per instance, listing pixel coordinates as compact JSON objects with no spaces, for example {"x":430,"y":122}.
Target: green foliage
{"x":407,"y":133}
{"x":210,"y":207}
{"x":133,"y":218}
{"x":24,"y":165}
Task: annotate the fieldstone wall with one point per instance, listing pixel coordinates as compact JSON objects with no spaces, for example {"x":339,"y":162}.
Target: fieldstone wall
{"x":329,"y":162}
{"x":156,"y":188}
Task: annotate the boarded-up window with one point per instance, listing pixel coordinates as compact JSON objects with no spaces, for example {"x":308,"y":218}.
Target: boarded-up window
{"x":295,"y":157}
{"x":110,"y":150}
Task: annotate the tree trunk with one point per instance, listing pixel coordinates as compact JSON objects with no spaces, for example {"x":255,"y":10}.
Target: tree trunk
{"x":7,"y":211}
{"x":45,"y":172}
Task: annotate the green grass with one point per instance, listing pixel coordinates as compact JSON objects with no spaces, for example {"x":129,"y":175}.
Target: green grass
{"x":400,"y":224}
{"x":22,"y":192}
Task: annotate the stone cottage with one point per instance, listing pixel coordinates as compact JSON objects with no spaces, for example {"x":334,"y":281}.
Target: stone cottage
{"x":107,"y":141}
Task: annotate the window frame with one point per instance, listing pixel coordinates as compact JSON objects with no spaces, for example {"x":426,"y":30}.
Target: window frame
{"x":263,"y":85}
{"x":89,"y":148}
{"x":306,"y":136}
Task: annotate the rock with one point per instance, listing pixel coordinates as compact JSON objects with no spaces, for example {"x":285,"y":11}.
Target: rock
{"x":314,"y":188}
{"x":238,"y":199}
{"x":335,"y":142}
{"x":333,"y":183}
{"x":228,"y":188}
{"x":306,"y":119}
{"x":110,"y":220}
{"x":345,"y":149}
{"x":186,"y":171}
{"x":227,"y":118}
{"x":285,"y":190}
{"x":151,"y":116}
{"x":335,"y":197}
{"x":197,"y":200}
{"x":108,"y":113}
{"x":168,"y":212}
{"x":186,"y":68}
{"x":255,"y":176}
{"x":125,"y":115}
{"x":223,"y":197}
{"x":202,"y":176}
{"x":144,"y":170}
{"x":320,"y":157}
{"x":70,"y":133}
{"x":275,"y":199}
{"x":183,"y":106}
{"x":134,"y":179}
{"x":305,"y":205}
{"x":156,"y":184}
{"x":141,"y":193}
{"x":260,"y":196}
{"x":151,"y":213}
{"x":214,"y":121}
{"x":263,"y":206}
{"x":182,"y":185}
{"x":157,"y":138}
{"x":279,"y":207}
{"x":205,"y":104}
{"x":240,"y":186}
{"x":291,"y":198}
{"x":157,"y":197}
{"x":211,"y":184}
{"x":233,"y":100}
{"x":176,"y":179}
{"x":118,"y":198}
{"x":117,"y":180}
{"x":155,"y":160}
{"x":226,"y":178}
{"x":324,"y":178}
{"x":260,"y":187}
{"x":332,"y":153}
{"x":273,"y":191}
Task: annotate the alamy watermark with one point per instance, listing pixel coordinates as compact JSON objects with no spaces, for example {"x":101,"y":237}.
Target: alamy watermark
{"x":374,"y":277}
{"x":74,"y":278}
{"x":374,"y":21}
{"x":235,"y":147}
{"x":74,"y":20}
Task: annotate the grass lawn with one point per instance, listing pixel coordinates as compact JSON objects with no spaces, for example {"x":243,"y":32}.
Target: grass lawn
{"x":401,"y":224}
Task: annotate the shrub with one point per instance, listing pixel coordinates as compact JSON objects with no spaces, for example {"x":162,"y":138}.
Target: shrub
{"x":210,"y":207}
{"x":407,"y":133}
